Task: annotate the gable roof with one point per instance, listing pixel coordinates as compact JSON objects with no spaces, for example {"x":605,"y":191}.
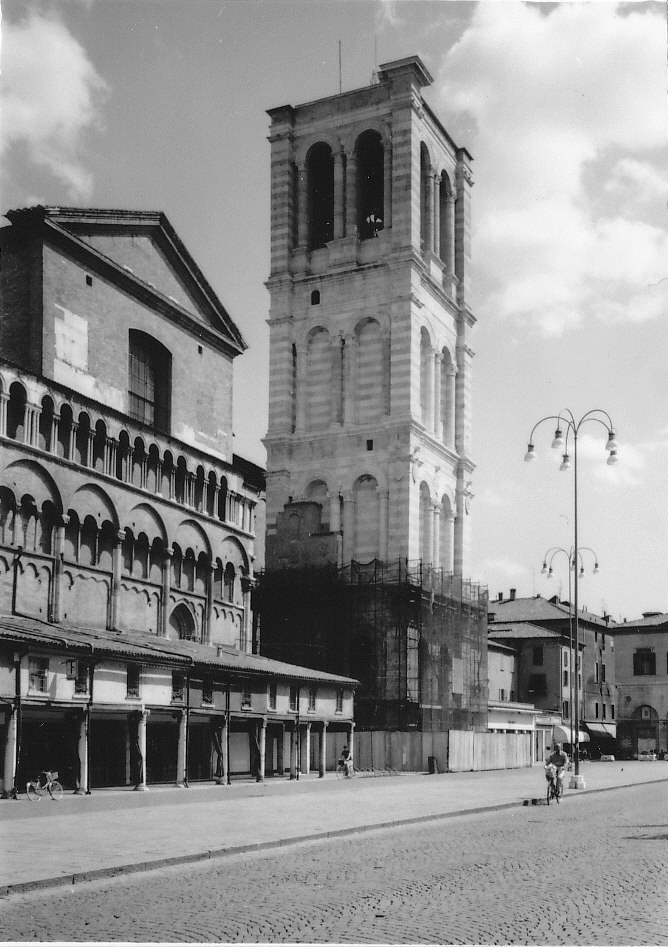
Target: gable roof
{"x":150,"y":649}
{"x":96,"y":236}
{"x":541,"y":609}
{"x":648,"y":621}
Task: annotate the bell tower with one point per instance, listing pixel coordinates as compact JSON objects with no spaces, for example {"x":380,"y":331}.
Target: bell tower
{"x":370,"y":363}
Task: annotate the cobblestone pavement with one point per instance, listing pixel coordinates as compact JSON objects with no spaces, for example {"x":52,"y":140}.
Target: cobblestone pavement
{"x":593,"y":870}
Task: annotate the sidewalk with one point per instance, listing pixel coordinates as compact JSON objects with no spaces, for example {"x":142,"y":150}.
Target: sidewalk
{"x":116,"y":831}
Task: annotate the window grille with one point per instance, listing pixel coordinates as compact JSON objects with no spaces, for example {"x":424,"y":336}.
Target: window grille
{"x":293,"y":698}
{"x":311,"y":699}
{"x":339,"y":701}
{"x":246,"y":699}
{"x":149,"y":381}
{"x":81,"y":679}
{"x":272,"y":697}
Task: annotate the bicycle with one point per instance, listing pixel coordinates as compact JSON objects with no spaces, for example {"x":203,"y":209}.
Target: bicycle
{"x":46,"y":782}
{"x":345,"y":769}
{"x":555,"y":784}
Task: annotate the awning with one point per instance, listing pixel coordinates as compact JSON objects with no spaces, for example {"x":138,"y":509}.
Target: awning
{"x":564,"y":734}
{"x":602,"y":729}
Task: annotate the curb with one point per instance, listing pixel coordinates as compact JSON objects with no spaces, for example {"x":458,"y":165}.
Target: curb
{"x":97,"y":874}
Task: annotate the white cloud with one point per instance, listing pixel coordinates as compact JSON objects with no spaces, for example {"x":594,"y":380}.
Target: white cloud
{"x":505,"y":567}
{"x":51,"y":95}
{"x":550,"y":102}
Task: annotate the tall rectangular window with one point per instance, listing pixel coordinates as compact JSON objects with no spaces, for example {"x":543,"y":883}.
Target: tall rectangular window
{"x":596,"y":673}
{"x":178,"y":685}
{"x":339,"y":701}
{"x":149,"y":381}
{"x":596,"y":710}
{"x":293,"y":699}
{"x":565,"y":678}
{"x":644,"y":662}
{"x":603,"y":674}
{"x":246,"y":699}
{"x":311,"y":700}
{"x":604,"y":709}
{"x":272,"y":697}
{"x":207,"y":689}
{"x":39,"y":669}
{"x":132,"y":686}
{"x":81,"y":680}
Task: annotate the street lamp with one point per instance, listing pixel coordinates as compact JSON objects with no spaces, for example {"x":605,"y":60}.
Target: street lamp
{"x":548,"y":571}
{"x":572,"y":427}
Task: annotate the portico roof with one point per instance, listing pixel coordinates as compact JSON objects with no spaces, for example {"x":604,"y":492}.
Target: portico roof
{"x":150,"y":649}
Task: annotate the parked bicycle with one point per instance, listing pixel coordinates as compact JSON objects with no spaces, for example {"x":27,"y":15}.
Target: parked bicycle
{"x":345,"y":769}
{"x":555,"y":782}
{"x":46,"y":782}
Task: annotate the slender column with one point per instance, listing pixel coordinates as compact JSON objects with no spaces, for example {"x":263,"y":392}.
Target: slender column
{"x":90,"y":449}
{"x":166,"y":576}
{"x":116,"y":578}
{"x":334,"y":512}
{"x":301,"y":393}
{"x":348,"y":526}
{"x":450,"y":234}
{"x":437,"y":215}
{"x":128,"y":464}
{"x":351,"y":194}
{"x":205,"y":495}
{"x":429,"y":212}
{"x":436,"y":535}
{"x":53,"y":442}
{"x":429,"y":394}
{"x":73,"y":441}
{"x":306,"y":759}
{"x":158,"y":477}
{"x":449,"y":437}
{"x":263,"y":751}
{"x":206,"y":630}
{"x":59,"y":548}
{"x":223,"y":779}
{"x":83,"y":755}
{"x":172,"y":482}
{"x":110,"y":457}
{"x":11,"y":745}
{"x":322,"y":768}
{"x":384,"y":505}
{"x":294,"y":735}
{"x":339,"y":204}
{"x":350,"y":383}
{"x":387,"y":184}
{"x":141,"y":739}
{"x":181,"y":751}
{"x":438,"y":359}
{"x":448,"y":543}
{"x":336,"y":404}
{"x":31,"y":428}
{"x":4,"y":401}
{"x":216,"y":491}
{"x":386,"y":348}
{"x":302,"y":208}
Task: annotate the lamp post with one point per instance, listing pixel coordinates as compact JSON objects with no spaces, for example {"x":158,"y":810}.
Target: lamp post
{"x":548,"y":571}
{"x":572,"y":428}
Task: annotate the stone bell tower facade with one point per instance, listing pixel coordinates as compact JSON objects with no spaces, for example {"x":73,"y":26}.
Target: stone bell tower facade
{"x":370,"y":364}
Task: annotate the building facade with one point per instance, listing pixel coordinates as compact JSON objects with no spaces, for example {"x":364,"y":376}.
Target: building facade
{"x":541,"y":631}
{"x":368,"y":445}
{"x":127,"y":524}
{"x":641,"y":649}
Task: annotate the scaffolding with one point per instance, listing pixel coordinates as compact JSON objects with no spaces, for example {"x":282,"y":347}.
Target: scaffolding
{"x":415,"y":637}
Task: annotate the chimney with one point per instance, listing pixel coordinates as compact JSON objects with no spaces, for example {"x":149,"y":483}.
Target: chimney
{"x":500,"y":598}
{"x":512,"y":594}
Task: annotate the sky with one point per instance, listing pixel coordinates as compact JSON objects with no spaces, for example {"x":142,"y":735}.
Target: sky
{"x":162,"y":106}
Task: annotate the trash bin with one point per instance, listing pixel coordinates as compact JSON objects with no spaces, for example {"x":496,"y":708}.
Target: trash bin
{"x":432,"y":764}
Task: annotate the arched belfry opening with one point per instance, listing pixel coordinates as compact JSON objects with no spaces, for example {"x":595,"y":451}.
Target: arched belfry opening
{"x":370,"y":184}
{"x":320,"y":172}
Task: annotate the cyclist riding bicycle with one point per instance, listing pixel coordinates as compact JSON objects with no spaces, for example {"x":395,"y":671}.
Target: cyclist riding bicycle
{"x":559,"y":759}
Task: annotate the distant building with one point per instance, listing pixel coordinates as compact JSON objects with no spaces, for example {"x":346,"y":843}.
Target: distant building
{"x":642,"y":679}
{"x":369,"y":465}
{"x":127,"y":523}
{"x":506,"y":712}
{"x":541,"y":631}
